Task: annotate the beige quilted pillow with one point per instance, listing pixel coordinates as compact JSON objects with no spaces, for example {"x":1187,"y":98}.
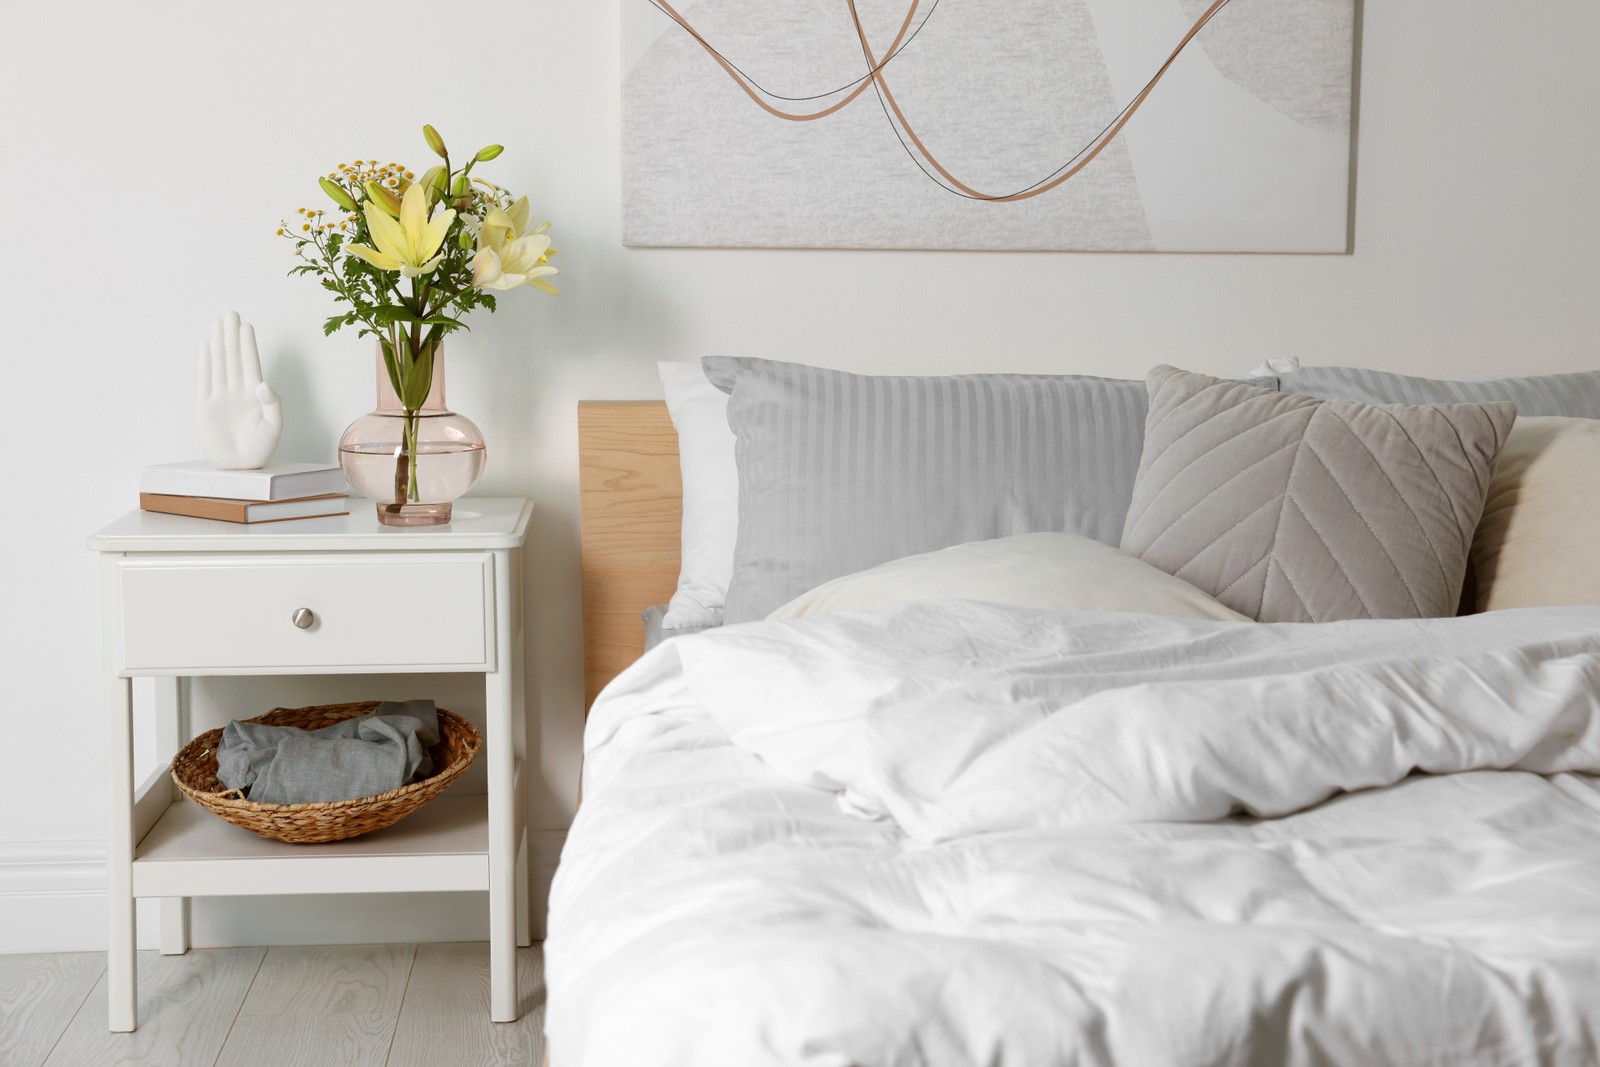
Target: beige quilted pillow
{"x":1067,"y":572}
{"x":1292,"y":509}
{"x":1539,"y":541}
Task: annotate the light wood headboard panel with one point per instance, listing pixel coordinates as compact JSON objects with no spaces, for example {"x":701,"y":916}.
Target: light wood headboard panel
{"x":631,"y":502}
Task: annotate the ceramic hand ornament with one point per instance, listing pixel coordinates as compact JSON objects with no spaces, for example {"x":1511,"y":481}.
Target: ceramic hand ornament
{"x":241,"y":417}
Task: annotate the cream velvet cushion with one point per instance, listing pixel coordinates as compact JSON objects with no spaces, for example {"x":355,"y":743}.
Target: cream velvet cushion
{"x":1538,"y":543}
{"x":1064,"y":571}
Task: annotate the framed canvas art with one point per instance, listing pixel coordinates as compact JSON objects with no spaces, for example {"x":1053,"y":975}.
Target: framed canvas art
{"x":1087,"y":125}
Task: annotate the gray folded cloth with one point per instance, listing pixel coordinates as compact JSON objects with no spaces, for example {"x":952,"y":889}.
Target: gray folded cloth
{"x":354,"y":758}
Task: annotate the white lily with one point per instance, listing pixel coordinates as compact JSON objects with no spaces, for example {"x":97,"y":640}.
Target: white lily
{"x":509,"y":256}
{"x":407,"y":243}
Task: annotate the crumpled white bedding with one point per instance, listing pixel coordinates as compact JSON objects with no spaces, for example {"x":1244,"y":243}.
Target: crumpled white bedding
{"x":960,"y":833}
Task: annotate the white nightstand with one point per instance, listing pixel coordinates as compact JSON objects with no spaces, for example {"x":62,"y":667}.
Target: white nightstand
{"x":187,"y":597}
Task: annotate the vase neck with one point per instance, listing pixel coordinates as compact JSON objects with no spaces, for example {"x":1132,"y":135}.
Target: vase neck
{"x":388,"y":400}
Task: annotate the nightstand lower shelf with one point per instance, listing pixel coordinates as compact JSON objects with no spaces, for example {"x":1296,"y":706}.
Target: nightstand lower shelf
{"x":192,"y":853}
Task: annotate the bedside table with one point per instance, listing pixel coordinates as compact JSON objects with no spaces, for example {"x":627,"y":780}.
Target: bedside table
{"x":191,"y":597}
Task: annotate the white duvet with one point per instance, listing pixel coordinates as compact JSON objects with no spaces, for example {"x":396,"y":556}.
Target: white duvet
{"x":959,"y":833}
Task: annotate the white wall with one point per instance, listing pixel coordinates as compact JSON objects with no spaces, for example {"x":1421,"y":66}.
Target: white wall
{"x":147,"y":151}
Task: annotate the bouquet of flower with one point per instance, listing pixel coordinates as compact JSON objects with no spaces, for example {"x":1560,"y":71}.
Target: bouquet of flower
{"x":410,"y":257}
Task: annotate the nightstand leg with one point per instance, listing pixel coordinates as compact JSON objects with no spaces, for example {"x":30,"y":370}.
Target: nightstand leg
{"x":519,"y":723}
{"x":524,"y":915}
{"x":122,"y":988}
{"x":172,"y":733}
{"x":502,"y":842}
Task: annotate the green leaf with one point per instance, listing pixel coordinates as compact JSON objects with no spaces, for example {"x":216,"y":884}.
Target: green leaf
{"x":389,"y":363}
{"x":419,"y":382}
{"x":331,"y":325}
{"x":389,"y":314}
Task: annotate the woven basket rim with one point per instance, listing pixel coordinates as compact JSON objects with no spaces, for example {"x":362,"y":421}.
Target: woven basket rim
{"x":234,"y":799}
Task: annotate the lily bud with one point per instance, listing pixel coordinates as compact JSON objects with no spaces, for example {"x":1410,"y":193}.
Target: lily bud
{"x":435,"y":142}
{"x":337,"y":194}
{"x":486,"y":154}
{"x":435,"y":183}
{"x":384,"y":199}
{"x":461,"y":186}
{"x":465,"y":240}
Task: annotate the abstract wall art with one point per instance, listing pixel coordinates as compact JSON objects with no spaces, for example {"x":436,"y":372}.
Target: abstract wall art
{"x":1086,"y":125}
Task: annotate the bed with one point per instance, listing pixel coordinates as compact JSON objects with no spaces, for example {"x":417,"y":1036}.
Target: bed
{"x":872,"y":837}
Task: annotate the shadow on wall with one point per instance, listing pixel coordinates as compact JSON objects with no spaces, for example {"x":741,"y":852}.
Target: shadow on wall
{"x":1355,"y":119}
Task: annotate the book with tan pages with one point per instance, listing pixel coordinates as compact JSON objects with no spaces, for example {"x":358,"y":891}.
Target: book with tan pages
{"x":226,"y":509}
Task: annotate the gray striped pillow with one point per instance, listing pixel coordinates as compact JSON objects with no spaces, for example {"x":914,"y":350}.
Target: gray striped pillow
{"x":840,"y":472}
{"x":1570,"y":395}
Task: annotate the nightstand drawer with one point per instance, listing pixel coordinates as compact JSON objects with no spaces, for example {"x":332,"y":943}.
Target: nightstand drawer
{"x":379,"y":611}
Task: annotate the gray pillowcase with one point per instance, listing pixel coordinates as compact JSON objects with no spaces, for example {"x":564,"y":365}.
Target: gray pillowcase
{"x":1574,"y":396}
{"x":1291,"y":509}
{"x":839,"y":472}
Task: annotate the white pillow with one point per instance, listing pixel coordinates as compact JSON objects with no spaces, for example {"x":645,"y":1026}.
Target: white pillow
{"x":699,"y":413}
{"x":1065,"y":571}
{"x":1538,"y":543}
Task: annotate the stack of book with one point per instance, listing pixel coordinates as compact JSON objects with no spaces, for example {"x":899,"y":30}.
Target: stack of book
{"x":272,"y":493}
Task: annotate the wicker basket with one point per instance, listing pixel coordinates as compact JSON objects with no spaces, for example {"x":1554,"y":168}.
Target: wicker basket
{"x":195,"y":770}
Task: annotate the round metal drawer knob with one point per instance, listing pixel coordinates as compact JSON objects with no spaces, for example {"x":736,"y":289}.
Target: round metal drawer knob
{"x":303,"y":618}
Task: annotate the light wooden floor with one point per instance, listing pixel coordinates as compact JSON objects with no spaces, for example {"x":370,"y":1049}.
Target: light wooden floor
{"x":331,"y":1006}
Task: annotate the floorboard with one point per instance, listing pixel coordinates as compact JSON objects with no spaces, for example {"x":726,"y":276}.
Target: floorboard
{"x":350,"y":1040}
{"x":314,"y":1006}
{"x":39,"y":994}
{"x":445,"y":1018}
{"x":331,"y":980}
{"x":187,"y":1005}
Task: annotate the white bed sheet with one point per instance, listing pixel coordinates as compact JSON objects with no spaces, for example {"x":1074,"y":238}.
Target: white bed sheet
{"x":709,"y":910}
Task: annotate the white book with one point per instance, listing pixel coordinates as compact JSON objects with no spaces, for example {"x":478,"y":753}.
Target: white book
{"x":275,"y":481}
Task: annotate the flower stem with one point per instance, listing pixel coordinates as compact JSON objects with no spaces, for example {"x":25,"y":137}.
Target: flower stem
{"x":413,"y":424}
{"x":406,"y":490}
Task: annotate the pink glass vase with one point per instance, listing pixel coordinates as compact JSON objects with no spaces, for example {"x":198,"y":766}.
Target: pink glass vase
{"x":412,"y":464}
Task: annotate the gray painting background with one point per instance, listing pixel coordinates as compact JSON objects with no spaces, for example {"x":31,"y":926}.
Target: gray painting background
{"x":1002,"y":93}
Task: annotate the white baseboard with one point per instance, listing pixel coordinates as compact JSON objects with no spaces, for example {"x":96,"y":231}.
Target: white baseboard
{"x":52,"y":899}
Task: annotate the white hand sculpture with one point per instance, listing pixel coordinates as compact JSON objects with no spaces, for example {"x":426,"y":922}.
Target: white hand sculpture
{"x":241,"y":417}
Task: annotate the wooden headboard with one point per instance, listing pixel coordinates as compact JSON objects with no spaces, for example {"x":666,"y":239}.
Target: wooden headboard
{"x":631,"y":504}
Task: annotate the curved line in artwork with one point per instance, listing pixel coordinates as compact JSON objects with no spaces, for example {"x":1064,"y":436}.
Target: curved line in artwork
{"x":1068,"y":170}
{"x":880,"y":84}
{"x":894,"y":53}
{"x":752,"y":93}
